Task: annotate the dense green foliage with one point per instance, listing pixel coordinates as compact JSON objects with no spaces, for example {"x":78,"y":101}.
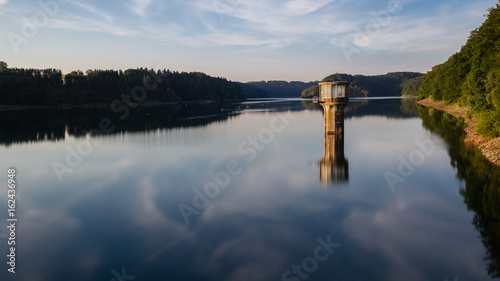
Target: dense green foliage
{"x":390,"y":84}
{"x":310,"y":92}
{"x":50,"y":87}
{"x":410,"y":87}
{"x":283,"y":89}
{"x":481,"y":179}
{"x":471,"y":77}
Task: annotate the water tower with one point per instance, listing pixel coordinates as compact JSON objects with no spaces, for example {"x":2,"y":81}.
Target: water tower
{"x":333,"y":97}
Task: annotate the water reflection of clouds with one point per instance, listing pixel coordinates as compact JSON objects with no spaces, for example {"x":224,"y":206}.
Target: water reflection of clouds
{"x":404,"y":234}
{"x":57,"y":231}
{"x":120,"y":208}
{"x":254,"y":258}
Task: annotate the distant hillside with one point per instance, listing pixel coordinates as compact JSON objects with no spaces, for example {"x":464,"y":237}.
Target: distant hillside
{"x":390,"y":84}
{"x":471,"y":77}
{"x":282,"y":89}
{"x":411,"y":87}
{"x":253,"y":92}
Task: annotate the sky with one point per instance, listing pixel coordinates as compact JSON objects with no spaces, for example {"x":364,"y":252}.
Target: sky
{"x":242,"y":40}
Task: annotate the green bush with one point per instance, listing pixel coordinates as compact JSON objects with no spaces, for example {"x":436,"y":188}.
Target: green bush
{"x":488,"y":124}
{"x":310,"y":92}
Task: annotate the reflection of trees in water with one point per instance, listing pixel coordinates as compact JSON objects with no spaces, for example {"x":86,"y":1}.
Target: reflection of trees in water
{"x":25,"y":126}
{"x":310,"y":105}
{"x":271,"y":105}
{"x":409,"y":106}
{"x":353,"y":106}
{"x":482,"y":182}
{"x":390,"y":108}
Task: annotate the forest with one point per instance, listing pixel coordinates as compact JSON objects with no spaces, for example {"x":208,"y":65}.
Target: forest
{"x":471,"y":77}
{"x":282,"y":89}
{"x":251,"y":91}
{"x":390,"y":84}
{"x":50,"y":87}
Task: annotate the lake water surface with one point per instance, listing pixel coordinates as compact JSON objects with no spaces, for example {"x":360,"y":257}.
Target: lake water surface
{"x":248,"y":192}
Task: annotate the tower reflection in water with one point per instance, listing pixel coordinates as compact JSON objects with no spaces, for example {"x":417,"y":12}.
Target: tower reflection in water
{"x":333,"y":167}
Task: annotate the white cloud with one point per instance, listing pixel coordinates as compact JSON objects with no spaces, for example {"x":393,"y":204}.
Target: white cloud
{"x":445,"y":30}
{"x":303,"y":7}
{"x":3,"y":2}
{"x":274,"y":24}
{"x":92,"y":9}
{"x":78,"y":23}
{"x":402,"y":223}
{"x":139,"y":7}
{"x":270,"y":22}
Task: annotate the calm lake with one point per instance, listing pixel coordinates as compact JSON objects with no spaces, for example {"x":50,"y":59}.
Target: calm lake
{"x":247,"y":191}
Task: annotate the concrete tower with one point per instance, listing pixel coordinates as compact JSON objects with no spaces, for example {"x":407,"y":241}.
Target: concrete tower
{"x":333,"y":97}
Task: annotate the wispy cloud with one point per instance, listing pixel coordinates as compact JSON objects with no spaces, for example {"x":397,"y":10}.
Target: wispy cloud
{"x":139,"y":7}
{"x":86,"y":17}
{"x":271,"y":22}
{"x":78,"y":23}
{"x":266,"y":23}
{"x":91,"y":9}
{"x":443,"y":30}
{"x":304,"y":7}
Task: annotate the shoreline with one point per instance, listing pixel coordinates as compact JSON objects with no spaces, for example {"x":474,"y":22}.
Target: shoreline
{"x":107,"y":105}
{"x":489,"y":148}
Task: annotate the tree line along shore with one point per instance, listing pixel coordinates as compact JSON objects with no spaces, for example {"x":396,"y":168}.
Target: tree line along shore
{"x":468,"y":85}
{"x":471,"y":77}
{"x":489,"y":147}
{"x":20,"y":86}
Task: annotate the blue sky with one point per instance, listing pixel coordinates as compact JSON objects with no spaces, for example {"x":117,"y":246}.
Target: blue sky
{"x":241,"y":40}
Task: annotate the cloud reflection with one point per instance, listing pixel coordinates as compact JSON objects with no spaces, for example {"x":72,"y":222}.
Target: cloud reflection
{"x":120,"y":209}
